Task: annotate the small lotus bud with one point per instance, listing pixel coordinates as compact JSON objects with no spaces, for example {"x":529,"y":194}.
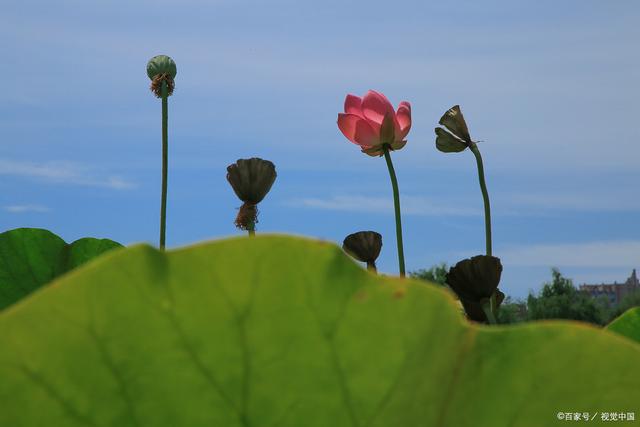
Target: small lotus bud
{"x":364,"y":246}
{"x":251,"y":180}
{"x":475,"y":279}
{"x":160,"y":69}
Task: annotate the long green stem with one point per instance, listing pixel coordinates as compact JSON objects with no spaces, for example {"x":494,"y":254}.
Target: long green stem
{"x":485,"y":196}
{"x":251,"y":228}
{"x":486,"y":307}
{"x":396,"y":203}
{"x":165,"y":161}
{"x":491,"y":308}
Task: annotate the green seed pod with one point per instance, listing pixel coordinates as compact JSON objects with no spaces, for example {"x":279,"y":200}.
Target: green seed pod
{"x":161,"y":64}
{"x":160,"y":69}
{"x":365,"y":246}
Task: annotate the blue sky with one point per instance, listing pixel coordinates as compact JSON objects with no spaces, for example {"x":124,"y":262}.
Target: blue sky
{"x":550,"y":87}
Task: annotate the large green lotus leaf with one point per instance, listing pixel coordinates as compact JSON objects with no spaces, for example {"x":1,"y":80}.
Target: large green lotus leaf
{"x":628,"y":324}
{"x":32,"y":257}
{"x":281,"y":331}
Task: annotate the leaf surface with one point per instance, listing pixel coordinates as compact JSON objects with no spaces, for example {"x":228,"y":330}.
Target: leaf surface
{"x":627,"y":324}
{"x":281,"y":331}
{"x":33,"y":257}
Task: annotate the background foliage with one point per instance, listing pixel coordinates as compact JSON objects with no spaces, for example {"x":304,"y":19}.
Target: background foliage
{"x":33,"y":257}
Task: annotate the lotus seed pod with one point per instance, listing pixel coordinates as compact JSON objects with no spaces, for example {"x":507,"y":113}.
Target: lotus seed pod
{"x":475,"y":311}
{"x":251,"y":180}
{"x":161,"y":69}
{"x":364,"y":246}
{"x":161,"y":64}
{"x":475,"y":279}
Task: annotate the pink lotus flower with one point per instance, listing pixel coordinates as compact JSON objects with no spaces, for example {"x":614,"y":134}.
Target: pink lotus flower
{"x":372,"y":122}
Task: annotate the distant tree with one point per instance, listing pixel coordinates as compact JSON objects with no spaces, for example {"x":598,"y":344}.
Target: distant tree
{"x":559,"y":299}
{"x":629,"y":301}
{"x":436,"y":274}
{"x":512,"y":311}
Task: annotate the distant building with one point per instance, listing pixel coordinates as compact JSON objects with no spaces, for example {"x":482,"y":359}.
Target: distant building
{"x":614,"y":291}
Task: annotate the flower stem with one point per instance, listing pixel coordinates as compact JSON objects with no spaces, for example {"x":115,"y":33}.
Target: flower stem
{"x":396,"y":203}
{"x":371,"y":266}
{"x":251,"y":229}
{"x":485,"y":196}
{"x":486,"y":307}
{"x":165,"y":149}
{"x":492,"y":306}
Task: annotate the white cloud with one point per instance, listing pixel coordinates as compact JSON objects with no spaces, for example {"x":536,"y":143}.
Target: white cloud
{"x":623,"y":253}
{"x":410,"y":205}
{"x":63,"y":173}
{"x":26,"y":208}
{"x":584,"y":200}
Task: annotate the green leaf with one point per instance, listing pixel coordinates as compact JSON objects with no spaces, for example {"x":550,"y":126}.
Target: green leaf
{"x":280,"y":331}
{"x":448,"y":143}
{"x":87,"y":248}
{"x":32,"y":257}
{"x":628,"y":324}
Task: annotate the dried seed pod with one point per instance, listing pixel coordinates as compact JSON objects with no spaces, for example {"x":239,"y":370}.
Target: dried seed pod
{"x":364,"y":246}
{"x":475,"y":279}
{"x":251,"y":180}
{"x":475,"y":311}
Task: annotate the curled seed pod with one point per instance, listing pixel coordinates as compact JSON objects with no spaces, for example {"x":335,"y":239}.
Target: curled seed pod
{"x":454,"y":121}
{"x":364,"y":246}
{"x":161,"y":68}
{"x":475,"y":280}
{"x":475,"y":311}
{"x":251,"y":180}
{"x":458,"y":138}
